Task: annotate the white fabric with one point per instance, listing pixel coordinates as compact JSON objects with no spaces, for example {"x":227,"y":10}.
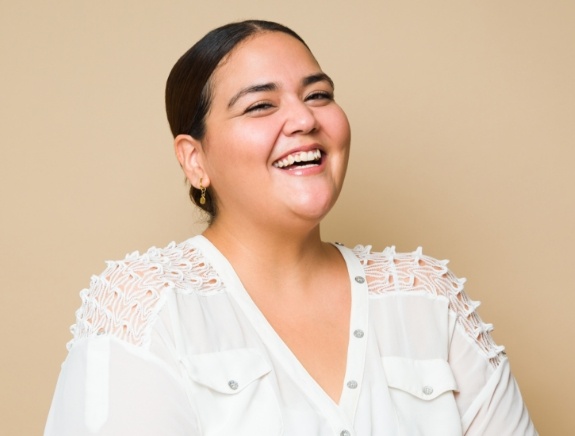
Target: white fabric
{"x":170,"y":343}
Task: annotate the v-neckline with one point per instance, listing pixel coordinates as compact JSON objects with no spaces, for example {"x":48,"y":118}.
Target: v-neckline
{"x":357,"y":338}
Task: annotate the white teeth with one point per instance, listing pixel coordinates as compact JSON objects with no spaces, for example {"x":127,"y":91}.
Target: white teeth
{"x":303,"y":156}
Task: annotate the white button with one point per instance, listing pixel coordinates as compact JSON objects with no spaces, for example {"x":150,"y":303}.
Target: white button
{"x":359,"y":279}
{"x":352,"y":384}
{"x":427,"y":390}
{"x":233,"y":384}
{"x":345,"y":433}
{"x":358,"y":333}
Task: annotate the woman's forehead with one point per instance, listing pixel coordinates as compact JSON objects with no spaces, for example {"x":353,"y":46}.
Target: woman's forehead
{"x":264,"y":56}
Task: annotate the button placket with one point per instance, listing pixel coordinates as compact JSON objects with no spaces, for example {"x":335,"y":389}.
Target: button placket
{"x":357,"y":343}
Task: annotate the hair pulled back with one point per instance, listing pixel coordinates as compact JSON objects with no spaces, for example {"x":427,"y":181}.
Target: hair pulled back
{"x":188,"y":88}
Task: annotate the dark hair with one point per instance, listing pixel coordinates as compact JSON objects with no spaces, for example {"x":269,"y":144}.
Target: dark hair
{"x":188,"y":89}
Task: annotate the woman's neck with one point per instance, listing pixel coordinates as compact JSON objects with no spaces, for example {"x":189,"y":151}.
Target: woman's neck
{"x":267,"y":255}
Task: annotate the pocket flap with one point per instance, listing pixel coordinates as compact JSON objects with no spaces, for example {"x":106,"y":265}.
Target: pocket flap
{"x":424,"y":378}
{"x":228,"y":372}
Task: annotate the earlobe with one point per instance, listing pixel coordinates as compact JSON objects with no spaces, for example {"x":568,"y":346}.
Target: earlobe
{"x":190,"y":155}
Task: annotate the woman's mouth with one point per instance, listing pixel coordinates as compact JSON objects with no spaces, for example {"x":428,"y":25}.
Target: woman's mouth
{"x":300,"y":159}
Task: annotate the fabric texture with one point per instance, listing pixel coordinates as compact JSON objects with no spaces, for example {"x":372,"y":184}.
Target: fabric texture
{"x":169,"y":342}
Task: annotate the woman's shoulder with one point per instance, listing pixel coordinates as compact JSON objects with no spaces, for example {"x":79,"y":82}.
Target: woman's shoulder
{"x":389,"y":272}
{"x":126,"y":297}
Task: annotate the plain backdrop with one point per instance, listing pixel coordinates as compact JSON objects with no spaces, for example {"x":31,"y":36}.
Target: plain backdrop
{"x":463,"y":120}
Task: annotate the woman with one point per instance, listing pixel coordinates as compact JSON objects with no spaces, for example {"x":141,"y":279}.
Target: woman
{"x":257,"y":326}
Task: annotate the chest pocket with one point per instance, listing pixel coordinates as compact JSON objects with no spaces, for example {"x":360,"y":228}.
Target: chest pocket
{"x":233,"y":393}
{"x":422,"y":392}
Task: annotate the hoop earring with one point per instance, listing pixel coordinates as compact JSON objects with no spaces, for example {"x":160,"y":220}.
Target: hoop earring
{"x":203,"y":193}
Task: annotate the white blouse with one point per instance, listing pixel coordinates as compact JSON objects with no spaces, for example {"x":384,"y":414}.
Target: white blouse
{"x":170,"y":343}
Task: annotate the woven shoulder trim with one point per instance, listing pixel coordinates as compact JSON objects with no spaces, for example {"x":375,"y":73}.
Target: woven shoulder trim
{"x":125,"y":299}
{"x":389,"y":271}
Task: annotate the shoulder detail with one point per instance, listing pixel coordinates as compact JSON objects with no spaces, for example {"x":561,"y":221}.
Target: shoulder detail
{"x":388,"y":271}
{"x":125,"y":298}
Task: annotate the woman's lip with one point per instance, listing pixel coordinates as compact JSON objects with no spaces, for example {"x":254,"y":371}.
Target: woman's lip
{"x":307,"y":171}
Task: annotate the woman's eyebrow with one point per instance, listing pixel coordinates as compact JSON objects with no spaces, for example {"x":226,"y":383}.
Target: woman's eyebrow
{"x":319,"y":77}
{"x":306,"y":81}
{"x":254,"y":88}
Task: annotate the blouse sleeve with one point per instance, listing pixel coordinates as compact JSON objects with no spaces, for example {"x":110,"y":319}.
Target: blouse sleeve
{"x":488,"y":396}
{"x":121,"y":375}
{"x":107,"y":387}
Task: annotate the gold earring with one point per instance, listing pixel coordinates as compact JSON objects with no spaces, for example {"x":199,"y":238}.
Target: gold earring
{"x":203,"y":191}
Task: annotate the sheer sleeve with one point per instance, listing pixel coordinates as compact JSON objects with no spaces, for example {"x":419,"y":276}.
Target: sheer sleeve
{"x":121,"y":376}
{"x":108,"y":387}
{"x":488,"y":397}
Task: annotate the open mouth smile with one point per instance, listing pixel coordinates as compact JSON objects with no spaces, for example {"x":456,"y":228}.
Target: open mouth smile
{"x":300,"y":159}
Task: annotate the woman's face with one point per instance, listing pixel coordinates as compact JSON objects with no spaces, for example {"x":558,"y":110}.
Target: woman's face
{"x":276,"y":144}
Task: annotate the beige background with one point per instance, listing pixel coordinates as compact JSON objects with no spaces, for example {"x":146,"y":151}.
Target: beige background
{"x":463,"y":116}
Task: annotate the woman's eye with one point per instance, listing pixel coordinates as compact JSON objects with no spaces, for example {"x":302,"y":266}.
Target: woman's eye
{"x":258,"y":107}
{"x":320,"y":95}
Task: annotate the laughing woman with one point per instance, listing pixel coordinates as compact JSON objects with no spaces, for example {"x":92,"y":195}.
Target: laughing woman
{"x":257,"y":327}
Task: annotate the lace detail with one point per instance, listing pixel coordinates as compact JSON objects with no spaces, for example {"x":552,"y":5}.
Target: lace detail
{"x":125,"y":299}
{"x":389,"y":271}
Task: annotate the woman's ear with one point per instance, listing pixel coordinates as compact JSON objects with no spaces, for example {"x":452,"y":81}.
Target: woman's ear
{"x":191,"y":157}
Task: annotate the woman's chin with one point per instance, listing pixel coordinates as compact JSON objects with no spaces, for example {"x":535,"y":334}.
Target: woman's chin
{"x":313,"y":209}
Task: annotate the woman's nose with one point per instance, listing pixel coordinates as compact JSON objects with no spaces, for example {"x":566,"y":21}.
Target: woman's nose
{"x":300,"y":119}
